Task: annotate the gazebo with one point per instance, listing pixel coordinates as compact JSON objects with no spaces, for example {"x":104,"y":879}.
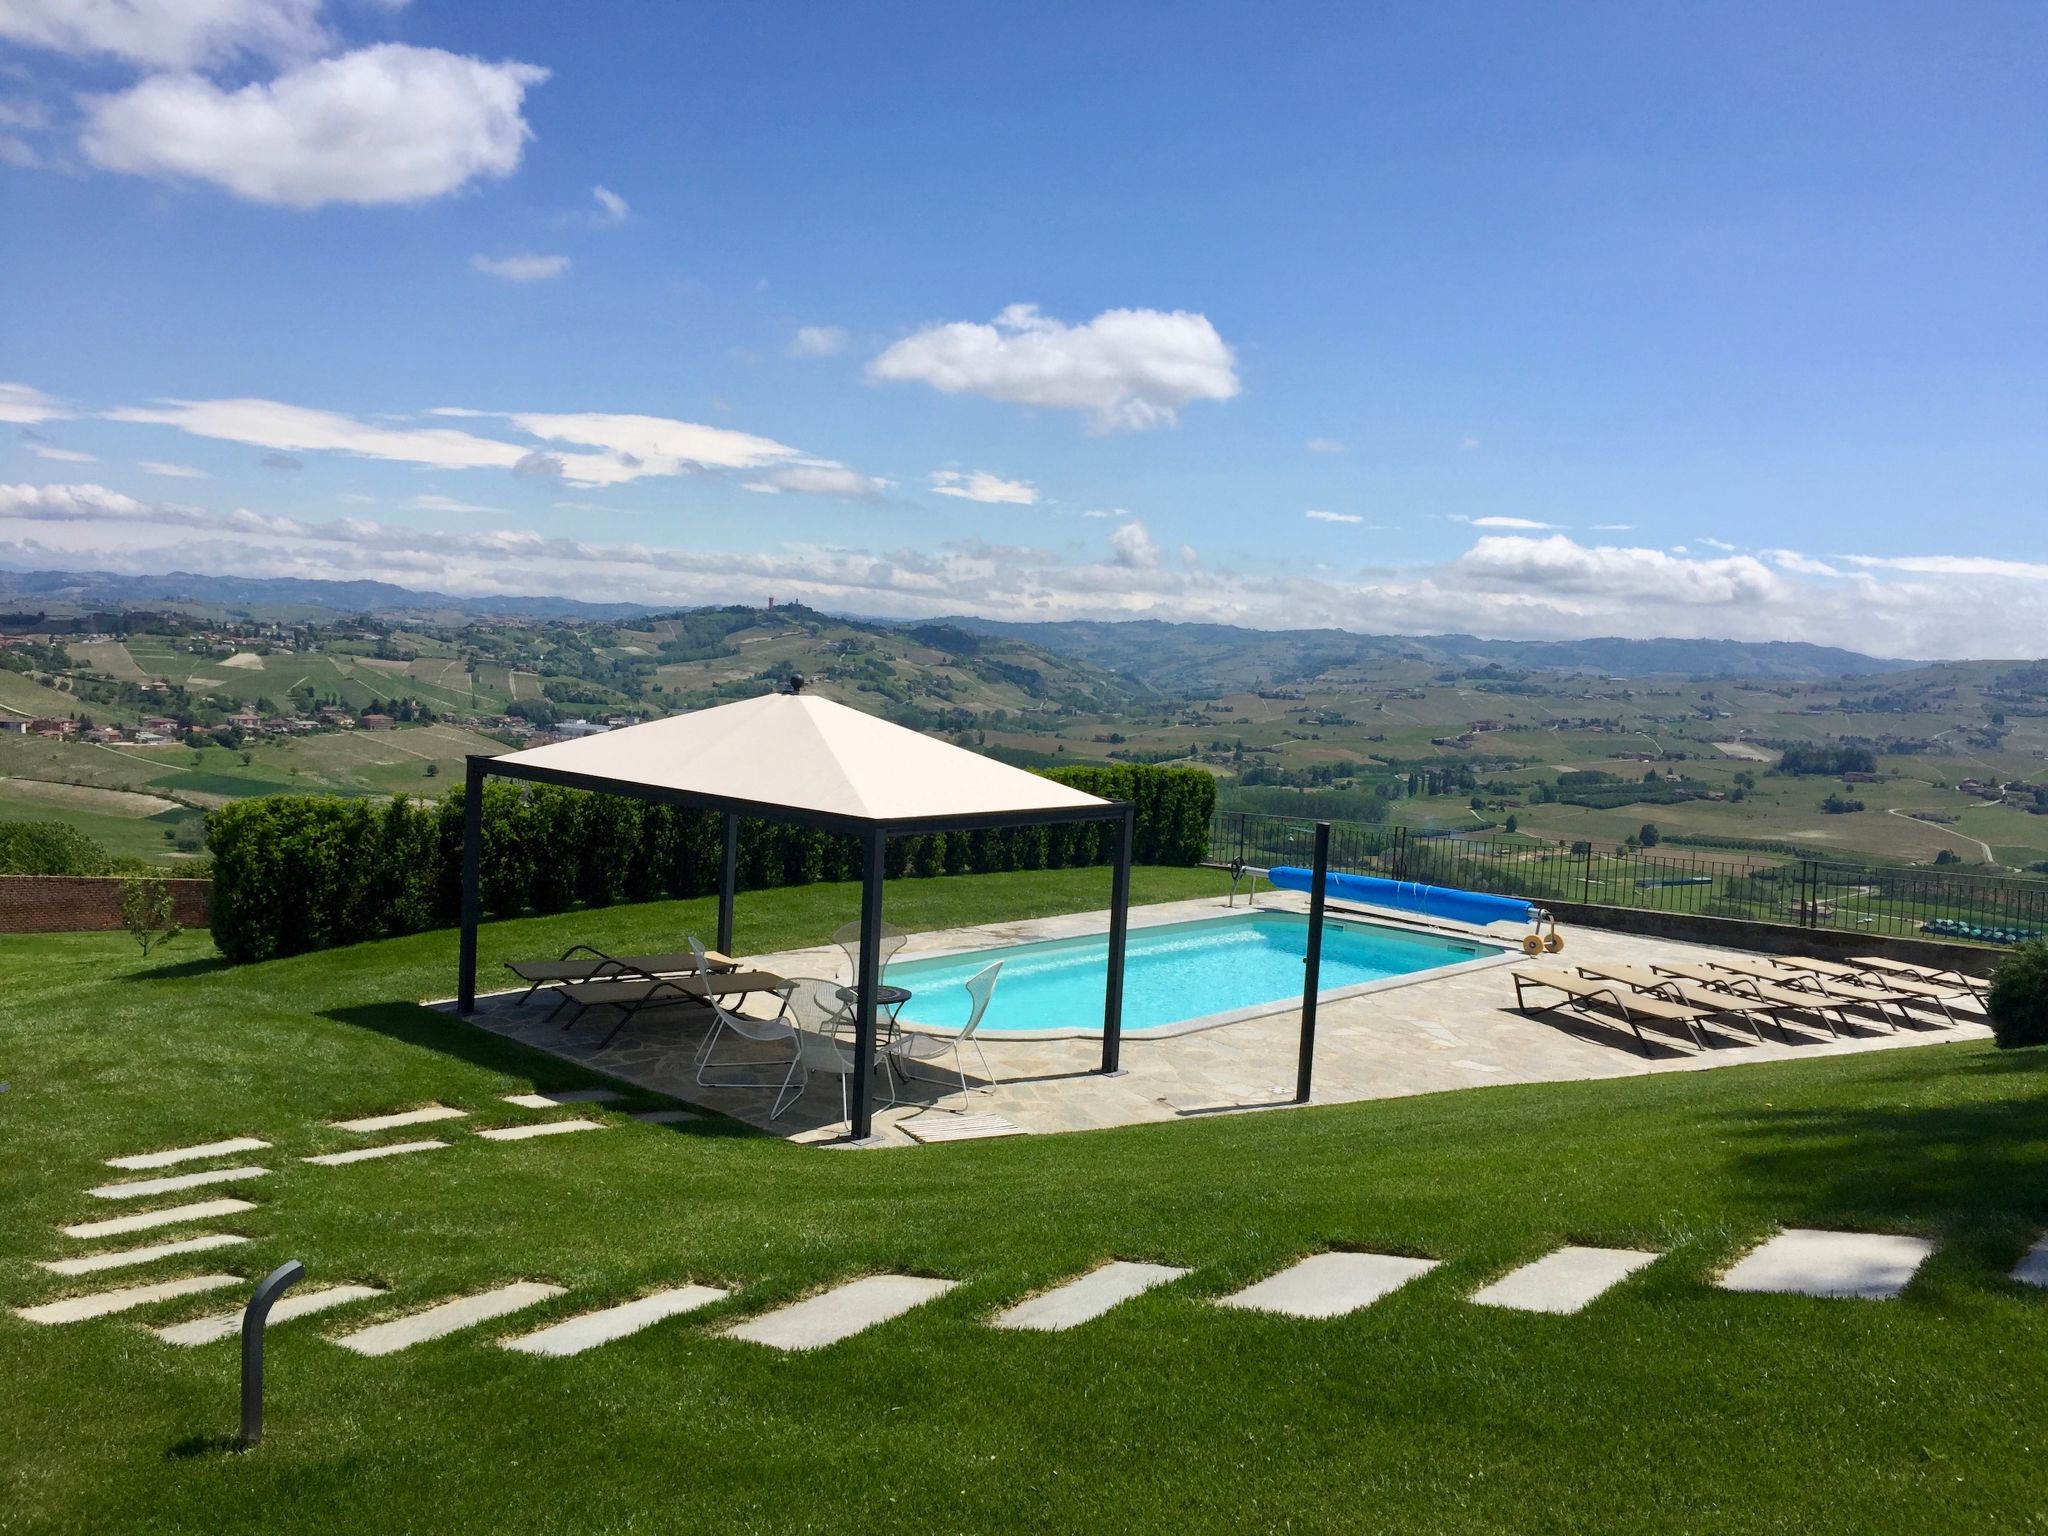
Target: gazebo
{"x":797,"y":757}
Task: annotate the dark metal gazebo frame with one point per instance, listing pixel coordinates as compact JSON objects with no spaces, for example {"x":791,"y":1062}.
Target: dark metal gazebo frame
{"x":874,"y":835}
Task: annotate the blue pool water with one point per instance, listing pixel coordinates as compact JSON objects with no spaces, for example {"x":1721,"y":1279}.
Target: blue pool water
{"x":1172,"y":973}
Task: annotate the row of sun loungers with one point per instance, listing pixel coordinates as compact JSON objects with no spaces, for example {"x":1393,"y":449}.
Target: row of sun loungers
{"x":1686,"y":999}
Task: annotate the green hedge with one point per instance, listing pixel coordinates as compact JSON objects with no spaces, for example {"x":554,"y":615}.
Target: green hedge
{"x":300,"y":872}
{"x":50,"y":848}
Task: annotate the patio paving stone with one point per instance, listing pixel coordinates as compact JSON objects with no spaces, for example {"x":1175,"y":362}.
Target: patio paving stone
{"x":1087,"y":1297}
{"x":446,"y":1318}
{"x":1873,"y":1266}
{"x":424,"y":1116}
{"x":125,"y":1258}
{"x":366,"y":1154}
{"x":142,"y":1221}
{"x":1564,"y":1281}
{"x":595,"y":1328}
{"x":545,"y":1128}
{"x":77,"y":1309}
{"x":136,"y":1188}
{"x":1329,"y":1284}
{"x":556,"y":1097}
{"x":188,"y":1154}
{"x":228,"y":1325}
{"x":841,"y":1312}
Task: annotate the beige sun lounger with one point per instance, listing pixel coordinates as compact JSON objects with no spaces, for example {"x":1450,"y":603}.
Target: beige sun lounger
{"x":630,"y":997}
{"x":1850,"y":981}
{"x":1585,"y":995}
{"x":1886,"y":968}
{"x":1766,"y":990}
{"x":582,"y":962}
{"x":1706,"y":991}
{"x":1828,"y":983}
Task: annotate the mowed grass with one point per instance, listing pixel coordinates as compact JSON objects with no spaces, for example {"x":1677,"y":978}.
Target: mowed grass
{"x":1667,"y":1405}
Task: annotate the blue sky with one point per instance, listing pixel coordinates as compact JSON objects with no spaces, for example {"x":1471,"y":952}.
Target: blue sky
{"x":1577,"y":319}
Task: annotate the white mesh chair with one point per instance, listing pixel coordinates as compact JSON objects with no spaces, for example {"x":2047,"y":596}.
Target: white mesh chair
{"x":847,"y":937}
{"x":815,"y":1010}
{"x":909,"y":1048}
{"x":774,"y":1030}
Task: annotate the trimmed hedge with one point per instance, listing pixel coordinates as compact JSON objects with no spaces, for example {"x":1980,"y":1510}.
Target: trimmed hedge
{"x":300,"y":872}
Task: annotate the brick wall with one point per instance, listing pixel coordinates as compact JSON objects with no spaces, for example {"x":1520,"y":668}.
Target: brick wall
{"x":84,"y":903}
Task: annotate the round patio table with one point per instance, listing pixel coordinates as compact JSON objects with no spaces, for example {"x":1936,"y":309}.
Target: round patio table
{"x":886,"y":996}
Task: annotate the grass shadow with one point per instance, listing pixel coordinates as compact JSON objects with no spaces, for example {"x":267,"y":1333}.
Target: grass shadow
{"x":199,"y":965}
{"x":192,"y":1447}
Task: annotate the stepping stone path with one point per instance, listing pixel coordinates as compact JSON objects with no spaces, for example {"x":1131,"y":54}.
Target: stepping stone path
{"x":124,"y":1258}
{"x":840,"y":1313}
{"x":555,"y":1097}
{"x":136,"y":1188}
{"x":1563,"y":1281}
{"x":545,"y":1128}
{"x":366,"y":1154}
{"x":950,"y":1126}
{"x":449,"y":1317}
{"x":664,"y":1116}
{"x":204,"y":1210}
{"x":78,"y":1308}
{"x":189,"y":1154}
{"x":407,"y":1117}
{"x":226,"y":1325}
{"x":2032,"y":1268}
{"x":1088,"y":1297}
{"x":1329,"y":1284}
{"x":595,"y":1328}
{"x":1874,"y":1266}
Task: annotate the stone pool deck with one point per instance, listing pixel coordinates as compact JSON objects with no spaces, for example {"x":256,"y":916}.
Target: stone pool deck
{"x":1426,"y":1036}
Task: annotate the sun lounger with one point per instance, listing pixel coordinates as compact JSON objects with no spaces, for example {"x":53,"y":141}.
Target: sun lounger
{"x":1692,"y":991}
{"x":1585,"y":995}
{"x":1848,"y":980}
{"x":1767,"y":991}
{"x":631,"y":997}
{"x":1881,"y":966}
{"x":1826,"y":983}
{"x":581,"y":962}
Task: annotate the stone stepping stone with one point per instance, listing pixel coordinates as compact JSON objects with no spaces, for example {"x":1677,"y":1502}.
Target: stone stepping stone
{"x":124,"y":1258}
{"x":78,"y":1308}
{"x":136,"y":1188}
{"x":1329,"y":1284}
{"x":188,"y":1154}
{"x":1563,"y":1281}
{"x":407,"y":1117}
{"x":1088,"y":1297}
{"x":546,"y":1128}
{"x":595,"y":1328}
{"x":664,"y":1116}
{"x":2032,"y":1268}
{"x":556,"y":1097}
{"x":366,"y":1154}
{"x":951,"y":1126}
{"x":841,"y":1312}
{"x":227,"y":1325}
{"x":449,"y":1317}
{"x":1874,"y":1266}
{"x":203,"y":1210}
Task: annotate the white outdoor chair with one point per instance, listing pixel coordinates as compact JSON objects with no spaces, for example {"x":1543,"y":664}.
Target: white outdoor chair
{"x":815,"y":1010}
{"x":847,"y":937}
{"x":770,"y":1031}
{"x":908,"y":1047}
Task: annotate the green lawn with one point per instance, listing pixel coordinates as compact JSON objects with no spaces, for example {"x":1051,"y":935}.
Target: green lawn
{"x":1667,"y":1405}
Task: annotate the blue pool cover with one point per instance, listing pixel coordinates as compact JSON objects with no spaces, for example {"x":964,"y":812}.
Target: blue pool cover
{"x":1410,"y":896}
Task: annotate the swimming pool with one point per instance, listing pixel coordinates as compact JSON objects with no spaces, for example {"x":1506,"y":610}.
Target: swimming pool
{"x":1206,"y":971}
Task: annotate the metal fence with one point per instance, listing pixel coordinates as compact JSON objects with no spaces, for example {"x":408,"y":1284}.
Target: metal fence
{"x":1808,"y":893}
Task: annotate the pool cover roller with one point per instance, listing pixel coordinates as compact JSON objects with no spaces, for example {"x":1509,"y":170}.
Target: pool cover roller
{"x":1475,"y":907}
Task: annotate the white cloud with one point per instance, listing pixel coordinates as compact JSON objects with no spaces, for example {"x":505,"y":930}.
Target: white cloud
{"x":520,"y":266}
{"x":1721,"y":544}
{"x":1325,"y":445}
{"x":1132,"y":547}
{"x":1333,"y":517}
{"x":632,"y":446}
{"x":297,"y":428}
{"x":611,"y":208}
{"x":822,"y":478}
{"x":18,"y":152}
{"x":1468,"y":444}
{"x":27,"y":405}
{"x":1128,"y":369}
{"x":1801,"y":565}
{"x":1557,"y":564}
{"x":385,"y":124}
{"x":62,"y":455}
{"x":173,"y":471}
{"x":432,"y":501}
{"x":168,"y":34}
{"x":1953,"y":565}
{"x":1106,"y":512}
{"x":1503,"y":522}
{"x":817,"y":341}
{"x":980,"y":485}
{"x":1613,"y":527}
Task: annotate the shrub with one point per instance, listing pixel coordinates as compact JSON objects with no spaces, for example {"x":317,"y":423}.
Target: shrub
{"x":2018,"y":999}
{"x":50,"y":848}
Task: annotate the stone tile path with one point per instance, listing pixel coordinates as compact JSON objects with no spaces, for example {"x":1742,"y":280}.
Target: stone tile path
{"x":294,"y":1303}
{"x":1086,"y":1298}
{"x":595,"y":1328}
{"x":1563,"y":1281}
{"x":2032,"y":1268}
{"x":446,"y":1318}
{"x":136,"y":1188}
{"x":1330,"y":1284}
{"x":143,"y":1221}
{"x":77,"y":1309}
{"x":425,"y":1116}
{"x":189,"y":1154}
{"x":556,"y":1097}
{"x":840,"y":1312}
{"x":545,"y":1128}
{"x":958,"y":1127}
{"x":367,"y":1154}
{"x":1872,"y":1265}
{"x":127,"y":1258}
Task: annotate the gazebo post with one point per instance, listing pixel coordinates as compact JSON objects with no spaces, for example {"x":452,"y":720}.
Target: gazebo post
{"x":472,"y":874}
{"x":861,"y":1121}
{"x":728,"y":880}
{"x":1119,"y":927}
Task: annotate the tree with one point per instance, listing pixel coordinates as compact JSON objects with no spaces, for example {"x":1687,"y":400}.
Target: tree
{"x":146,"y":911}
{"x":433,"y":770}
{"x":1649,"y":837}
{"x":1514,"y":822}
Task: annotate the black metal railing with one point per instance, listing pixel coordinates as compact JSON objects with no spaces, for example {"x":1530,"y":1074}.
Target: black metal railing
{"x":1810,"y":893}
